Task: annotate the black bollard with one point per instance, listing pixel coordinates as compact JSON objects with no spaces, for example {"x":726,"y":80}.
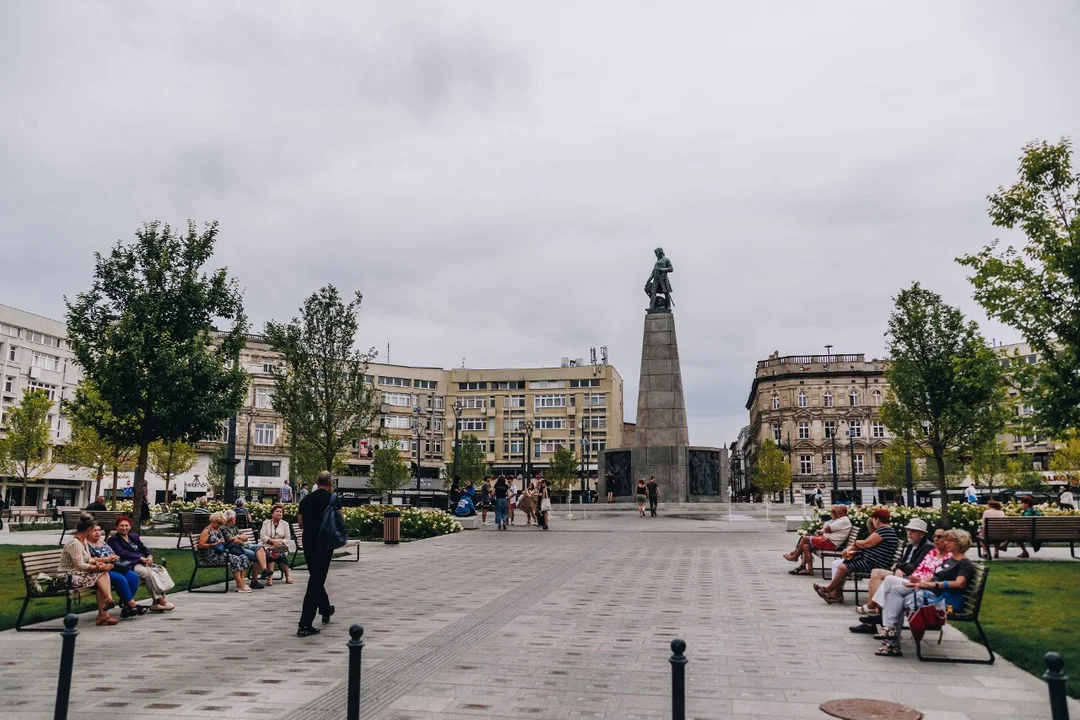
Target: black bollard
{"x":1055,"y":678}
{"x":356,"y":648}
{"x":67,"y":665}
{"x":678,"y":679}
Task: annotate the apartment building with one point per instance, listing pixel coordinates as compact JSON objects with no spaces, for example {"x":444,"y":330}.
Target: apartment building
{"x":1034,"y":446}
{"x":811,"y":404}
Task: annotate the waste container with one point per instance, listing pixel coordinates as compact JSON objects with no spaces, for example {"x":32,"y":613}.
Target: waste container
{"x":391,"y":527}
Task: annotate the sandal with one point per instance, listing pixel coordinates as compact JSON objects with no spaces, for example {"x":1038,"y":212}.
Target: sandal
{"x":105,"y":620}
{"x":887,"y":650}
{"x":885,"y":634}
{"x":288,"y":581}
{"x":800,"y":571}
{"x":865,"y":610}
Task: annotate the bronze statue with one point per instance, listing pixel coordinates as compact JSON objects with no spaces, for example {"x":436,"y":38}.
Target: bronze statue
{"x":658,"y":287}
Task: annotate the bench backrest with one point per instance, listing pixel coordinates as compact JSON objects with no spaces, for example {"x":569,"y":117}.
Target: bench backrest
{"x":193,"y":522}
{"x":973,"y":595}
{"x":105,"y":518}
{"x":41,"y":561}
{"x":852,"y":536}
{"x":298,"y":535}
{"x":1064,"y":528}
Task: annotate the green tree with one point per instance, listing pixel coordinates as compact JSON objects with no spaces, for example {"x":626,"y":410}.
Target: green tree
{"x":86,"y":449}
{"x":321,"y":393}
{"x":215,"y":471}
{"x":771,"y":474}
{"x":561,"y":471}
{"x":167,"y":459}
{"x":472,"y":461}
{"x":389,"y":472}
{"x":25,"y":454}
{"x":892,"y":473}
{"x":989,"y":466}
{"x":1036,"y":289}
{"x":92,"y":423}
{"x":143,"y":335}
{"x":1066,"y":457}
{"x":946,"y":390}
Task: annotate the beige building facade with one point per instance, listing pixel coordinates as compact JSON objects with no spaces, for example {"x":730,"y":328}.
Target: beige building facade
{"x":1033,"y":446}
{"x":811,"y":404}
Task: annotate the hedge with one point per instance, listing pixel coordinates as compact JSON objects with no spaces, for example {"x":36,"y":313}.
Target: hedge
{"x":962,"y":516}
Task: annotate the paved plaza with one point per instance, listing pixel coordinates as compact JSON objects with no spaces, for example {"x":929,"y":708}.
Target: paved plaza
{"x":571,"y":623}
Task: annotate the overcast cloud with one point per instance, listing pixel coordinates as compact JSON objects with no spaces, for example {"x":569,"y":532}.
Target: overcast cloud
{"x":493,"y":176}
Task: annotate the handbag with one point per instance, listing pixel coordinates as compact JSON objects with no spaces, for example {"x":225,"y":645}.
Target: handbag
{"x":927,"y":617}
{"x":123,"y":566}
{"x":161,"y":576}
{"x":545,"y":505}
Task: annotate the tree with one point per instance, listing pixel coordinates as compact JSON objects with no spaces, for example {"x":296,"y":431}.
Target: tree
{"x":215,"y":471}
{"x":892,"y":473}
{"x":25,"y":454}
{"x":562,"y":471}
{"x":472,"y":461}
{"x":1066,"y":457}
{"x":989,"y":466}
{"x":771,"y":474}
{"x":92,"y":421}
{"x":1036,"y":289}
{"x":167,"y":459}
{"x":946,"y":390}
{"x":322,"y":393}
{"x":389,"y":472}
{"x":143,"y":335}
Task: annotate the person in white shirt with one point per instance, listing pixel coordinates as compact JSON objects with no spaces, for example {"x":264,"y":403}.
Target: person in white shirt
{"x":1065,"y":499}
{"x":971,"y":495}
{"x":512,"y":495}
{"x":830,"y":537}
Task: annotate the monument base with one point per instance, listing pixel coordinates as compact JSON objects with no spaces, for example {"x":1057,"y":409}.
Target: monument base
{"x":685,"y":474}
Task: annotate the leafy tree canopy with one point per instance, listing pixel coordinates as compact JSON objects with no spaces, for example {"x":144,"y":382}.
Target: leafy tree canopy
{"x":167,"y":459}
{"x":25,"y":453}
{"x":389,"y":472}
{"x":562,"y":470}
{"x":771,"y":474}
{"x":471,"y":460}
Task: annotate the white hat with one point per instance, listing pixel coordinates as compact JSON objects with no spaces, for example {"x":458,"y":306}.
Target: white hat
{"x":917,"y":524}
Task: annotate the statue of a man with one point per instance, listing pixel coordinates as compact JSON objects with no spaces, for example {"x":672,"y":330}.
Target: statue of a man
{"x":658,"y":287}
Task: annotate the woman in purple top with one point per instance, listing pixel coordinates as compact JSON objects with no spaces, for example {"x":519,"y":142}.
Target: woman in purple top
{"x":129,"y":547}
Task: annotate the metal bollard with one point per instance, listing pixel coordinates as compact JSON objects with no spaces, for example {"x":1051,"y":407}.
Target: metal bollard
{"x":356,"y":648}
{"x":678,"y":679}
{"x":1055,"y":678}
{"x":67,"y":665}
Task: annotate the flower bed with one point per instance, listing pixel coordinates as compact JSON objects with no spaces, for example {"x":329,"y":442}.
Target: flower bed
{"x":962,"y":516}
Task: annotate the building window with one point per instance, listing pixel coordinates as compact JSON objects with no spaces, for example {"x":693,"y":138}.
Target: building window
{"x":858,"y":464}
{"x":473,"y":403}
{"x":264,"y":468}
{"x":776,"y":432}
{"x":472,"y":386}
{"x":473,"y":424}
{"x":425,"y":384}
{"x":591,"y":382}
{"x":806,"y":464}
{"x":265,"y":433}
{"x":508,"y":385}
{"x":49,"y":390}
{"x":596,"y":400}
{"x":397,"y":422}
{"x":9,"y":384}
{"x":826,"y":461}
{"x":875,"y":397}
{"x":546,"y":401}
{"x":546,"y":446}
{"x":514,"y":424}
{"x":547,"y":384}
{"x":433,"y":447}
{"x":515,"y":447}
{"x":879,"y":458}
{"x":9,"y":330}
{"x":270,"y":369}
{"x":827,"y":399}
{"x":395,"y":381}
{"x":853,"y":397}
{"x":439,"y":402}
{"x":830,"y":429}
{"x":597,"y":446}
{"x":397,"y":399}
{"x":514,"y":401}
{"x":877,"y":429}
{"x":804,"y":431}
{"x":264,"y":398}
{"x":1031,"y":359}
{"x":551,"y":423}
{"x":594,"y":423}
{"x":46,"y":362}
{"x":802,"y":399}
{"x":437,"y":424}
{"x":855,"y":428}
{"x":775,"y":402}
{"x":402,"y":445}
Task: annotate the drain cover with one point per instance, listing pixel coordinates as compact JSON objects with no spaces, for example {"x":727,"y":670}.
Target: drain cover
{"x":866,"y":709}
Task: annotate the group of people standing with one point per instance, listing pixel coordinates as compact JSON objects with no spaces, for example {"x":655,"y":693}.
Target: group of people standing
{"x":503,"y":496}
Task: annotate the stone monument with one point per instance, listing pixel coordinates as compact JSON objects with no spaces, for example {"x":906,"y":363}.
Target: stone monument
{"x":662,"y":440}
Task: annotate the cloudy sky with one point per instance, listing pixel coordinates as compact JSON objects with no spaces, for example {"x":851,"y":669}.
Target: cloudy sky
{"x":493,"y":176}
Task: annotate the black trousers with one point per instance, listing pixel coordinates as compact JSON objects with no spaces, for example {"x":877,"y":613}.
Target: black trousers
{"x":316,"y":599}
{"x":652,"y":505}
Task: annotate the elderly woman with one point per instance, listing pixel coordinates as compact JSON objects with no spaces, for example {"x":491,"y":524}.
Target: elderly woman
{"x":87,"y":571}
{"x":234,"y":543}
{"x":130,"y":548}
{"x":211,"y":549}
{"x":993,"y":509}
{"x":123,"y":578}
{"x":948,"y":584}
{"x":862,"y":556}
{"x":275,"y":539}
{"x":928,"y":565}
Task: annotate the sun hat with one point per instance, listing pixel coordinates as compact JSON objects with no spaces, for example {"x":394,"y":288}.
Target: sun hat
{"x":917,"y":524}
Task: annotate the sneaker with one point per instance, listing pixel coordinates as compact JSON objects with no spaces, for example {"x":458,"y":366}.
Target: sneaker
{"x":326,"y":617}
{"x":305,"y":632}
{"x":870,"y":620}
{"x":265,"y":574}
{"x":863,"y":629}
{"x":256,"y":585}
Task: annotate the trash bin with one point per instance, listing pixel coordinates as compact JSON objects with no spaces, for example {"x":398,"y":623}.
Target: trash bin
{"x":391,"y":527}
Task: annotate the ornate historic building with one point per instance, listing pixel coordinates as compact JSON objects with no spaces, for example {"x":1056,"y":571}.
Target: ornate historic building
{"x":813,"y":406}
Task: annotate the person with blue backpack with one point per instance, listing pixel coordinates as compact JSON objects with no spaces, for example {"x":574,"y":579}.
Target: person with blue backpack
{"x":323,"y":526}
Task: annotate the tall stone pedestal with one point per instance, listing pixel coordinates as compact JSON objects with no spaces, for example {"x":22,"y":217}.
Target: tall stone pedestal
{"x":661,"y":408}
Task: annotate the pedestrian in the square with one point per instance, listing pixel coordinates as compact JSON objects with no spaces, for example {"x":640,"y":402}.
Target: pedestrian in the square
{"x":527,"y":503}
{"x":303,"y":493}
{"x":485,"y":502}
{"x":286,"y":492}
{"x":641,"y":495}
{"x":512,"y":496}
{"x":654,"y":494}
{"x":502,"y":502}
{"x":316,"y":554}
{"x":544,"y":513}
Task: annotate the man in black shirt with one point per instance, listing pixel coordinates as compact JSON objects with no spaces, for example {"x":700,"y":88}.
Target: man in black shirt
{"x":502,"y":502}
{"x":316,"y":555}
{"x":98,"y":504}
{"x":653,"y":491}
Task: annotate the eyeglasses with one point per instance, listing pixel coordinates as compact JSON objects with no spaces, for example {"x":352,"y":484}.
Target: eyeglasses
{"x":939,"y":536}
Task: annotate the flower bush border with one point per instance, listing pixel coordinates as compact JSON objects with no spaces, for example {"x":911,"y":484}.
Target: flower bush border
{"x":962,"y":516}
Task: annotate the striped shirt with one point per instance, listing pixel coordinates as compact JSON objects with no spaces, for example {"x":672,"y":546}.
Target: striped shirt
{"x":879,"y":556}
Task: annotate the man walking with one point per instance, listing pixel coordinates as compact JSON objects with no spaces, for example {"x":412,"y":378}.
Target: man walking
{"x":286,"y":492}
{"x":653,"y":491}
{"x":502,"y":502}
{"x":316,"y":554}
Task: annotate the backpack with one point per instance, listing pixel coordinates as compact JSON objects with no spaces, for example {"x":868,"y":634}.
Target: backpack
{"x":332,"y":533}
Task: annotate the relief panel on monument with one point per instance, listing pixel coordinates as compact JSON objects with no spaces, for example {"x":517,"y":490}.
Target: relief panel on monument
{"x":703,"y":472}
{"x":620,"y":479}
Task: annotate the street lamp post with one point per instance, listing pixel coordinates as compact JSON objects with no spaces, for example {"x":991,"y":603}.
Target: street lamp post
{"x":416,"y":435}
{"x":247,"y":455}
{"x":230,"y":462}
{"x":854,"y":483}
{"x":908,"y":479}
{"x":528,"y":450}
{"x":457,"y":407}
{"x":835,"y":477}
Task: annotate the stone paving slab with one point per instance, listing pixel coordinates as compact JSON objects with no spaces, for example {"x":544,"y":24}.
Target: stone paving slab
{"x":572,"y":623}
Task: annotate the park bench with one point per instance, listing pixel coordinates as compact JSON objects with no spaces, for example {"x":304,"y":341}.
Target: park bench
{"x":1033,"y":529}
{"x":298,"y":538}
{"x":857,"y":576}
{"x":46,"y":562}
{"x":200,"y":564}
{"x":105,"y":518}
{"x":20,"y":513}
{"x":853,"y":535}
{"x":191,"y":523}
{"x":973,"y":596}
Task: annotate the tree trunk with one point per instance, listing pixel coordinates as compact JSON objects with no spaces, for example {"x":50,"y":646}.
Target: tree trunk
{"x":115,"y":475}
{"x":100,"y":475}
{"x":944,"y":488}
{"x":167,"y":481}
{"x":140,"y":484}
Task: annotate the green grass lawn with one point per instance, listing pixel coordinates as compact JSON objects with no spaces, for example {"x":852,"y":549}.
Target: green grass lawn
{"x":13,"y":589}
{"x":1030,"y":609}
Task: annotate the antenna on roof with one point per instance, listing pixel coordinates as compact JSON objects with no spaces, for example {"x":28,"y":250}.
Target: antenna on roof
{"x":387,"y":352}
{"x":603,"y":355}
{"x":592,"y":355}
{"x":462,"y":362}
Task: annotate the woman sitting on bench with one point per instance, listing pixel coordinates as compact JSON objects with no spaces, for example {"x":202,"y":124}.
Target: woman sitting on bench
{"x":275,"y":538}
{"x":130,"y":548}
{"x":124,"y":580}
{"x":876,"y":550}
{"x":211,"y":549}
{"x":256,"y":555}
{"x":87,"y":571}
